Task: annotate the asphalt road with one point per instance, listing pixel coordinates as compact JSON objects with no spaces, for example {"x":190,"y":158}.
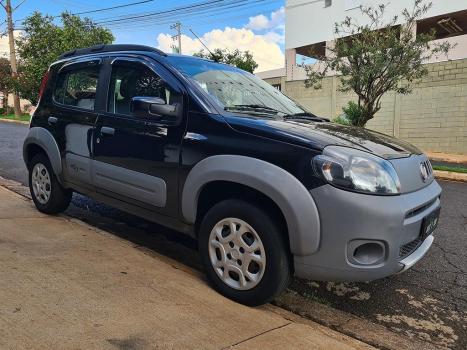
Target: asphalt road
{"x":427,"y":302}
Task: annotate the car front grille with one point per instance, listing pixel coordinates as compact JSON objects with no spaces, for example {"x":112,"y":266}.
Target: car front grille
{"x":409,"y":248}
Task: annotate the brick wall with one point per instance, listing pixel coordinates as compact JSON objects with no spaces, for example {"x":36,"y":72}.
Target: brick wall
{"x":433,"y":117}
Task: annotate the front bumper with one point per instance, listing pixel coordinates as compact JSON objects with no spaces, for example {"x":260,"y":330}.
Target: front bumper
{"x":365,"y":237}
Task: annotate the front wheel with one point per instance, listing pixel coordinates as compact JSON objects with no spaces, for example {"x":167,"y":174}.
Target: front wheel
{"x":244,"y":252}
{"x":46,"y":192}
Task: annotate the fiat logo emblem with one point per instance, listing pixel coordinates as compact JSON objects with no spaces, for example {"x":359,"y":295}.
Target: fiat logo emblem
{"x":423,"y":172}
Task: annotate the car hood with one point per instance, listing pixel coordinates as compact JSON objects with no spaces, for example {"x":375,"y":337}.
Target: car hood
{"x":318,"y":135}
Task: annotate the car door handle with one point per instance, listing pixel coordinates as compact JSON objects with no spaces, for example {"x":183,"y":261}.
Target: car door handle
{"x":52,"y":120}
{"x":105,"y":130}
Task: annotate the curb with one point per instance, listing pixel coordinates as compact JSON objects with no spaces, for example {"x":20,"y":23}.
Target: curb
{"x":290,"y":304}
{"x":14,"y":121}
{"x":450,"y":176}
{"x":448,"y":158}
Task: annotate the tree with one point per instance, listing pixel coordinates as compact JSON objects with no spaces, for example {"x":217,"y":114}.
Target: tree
{"x":378,"y":57}
{"x":5,"y":81}
{"x":243,"y":60}
{"x":43,"y":41}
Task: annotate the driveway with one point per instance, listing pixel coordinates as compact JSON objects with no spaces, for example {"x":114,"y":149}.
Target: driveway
{"x":428,"y":302}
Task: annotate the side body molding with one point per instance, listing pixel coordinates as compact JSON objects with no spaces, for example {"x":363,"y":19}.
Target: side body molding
{"x":283,"y":188}
{"x":43,"y":138}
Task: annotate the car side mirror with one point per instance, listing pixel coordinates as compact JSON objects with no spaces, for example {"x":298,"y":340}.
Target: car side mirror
{"x":155,"y":107}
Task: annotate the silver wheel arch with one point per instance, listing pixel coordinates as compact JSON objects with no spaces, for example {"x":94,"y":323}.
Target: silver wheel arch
{"x":289,"y":194}
{"x":43,"y":138}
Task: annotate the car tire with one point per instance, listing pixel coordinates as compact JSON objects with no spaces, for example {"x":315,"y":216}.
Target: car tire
{"x":46,"y":192}
{"x":249,"y":274}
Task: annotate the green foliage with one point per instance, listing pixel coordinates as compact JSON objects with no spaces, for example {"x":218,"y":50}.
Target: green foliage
{"x":353,"y":114}
{"x":378,"y":57}
{"x":342,"y":120}
{"x":243,"y":60}
{"x":454,"y":169}
{"x":5,"y":76}
{"x":6,"y":85}
{"x":43,"y":41}
{"x":11,"y":116}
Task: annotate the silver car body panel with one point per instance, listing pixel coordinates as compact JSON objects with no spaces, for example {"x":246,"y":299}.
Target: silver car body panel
{"x":293,"y":199}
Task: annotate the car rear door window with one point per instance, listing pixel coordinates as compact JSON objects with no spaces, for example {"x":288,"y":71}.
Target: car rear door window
{"x":77,"y":87}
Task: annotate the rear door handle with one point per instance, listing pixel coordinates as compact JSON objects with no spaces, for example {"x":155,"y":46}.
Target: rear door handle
{"x":52,"y":120}
{"x":105,"y":130}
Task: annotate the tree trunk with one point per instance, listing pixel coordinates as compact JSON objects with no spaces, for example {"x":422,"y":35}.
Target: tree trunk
{"x":13,"y":63}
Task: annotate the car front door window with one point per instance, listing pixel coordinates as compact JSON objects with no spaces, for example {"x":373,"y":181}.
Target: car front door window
{"x":135,"y":80}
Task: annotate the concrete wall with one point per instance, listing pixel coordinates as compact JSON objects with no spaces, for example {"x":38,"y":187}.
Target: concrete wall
{"x":433,"y":117}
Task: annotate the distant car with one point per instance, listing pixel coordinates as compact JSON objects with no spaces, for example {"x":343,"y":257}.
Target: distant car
{"x":267,"y":188}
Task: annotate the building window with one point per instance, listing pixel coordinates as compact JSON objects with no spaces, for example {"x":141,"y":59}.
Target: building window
{"x":327,"y":3}
{"x":277,"y":86}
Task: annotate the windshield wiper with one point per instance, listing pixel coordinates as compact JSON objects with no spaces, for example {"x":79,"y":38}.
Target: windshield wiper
{"x":252,"y":112}
{"x":305,"y":116}
{"x":251,"y":108}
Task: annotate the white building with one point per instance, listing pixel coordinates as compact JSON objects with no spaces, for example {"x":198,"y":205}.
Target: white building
{"x":310,"y":25}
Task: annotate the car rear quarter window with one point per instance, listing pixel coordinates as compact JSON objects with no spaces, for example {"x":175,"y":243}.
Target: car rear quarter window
{"x":77,"y":87}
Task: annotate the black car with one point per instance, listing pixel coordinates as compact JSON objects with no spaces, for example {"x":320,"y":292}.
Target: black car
{"x":267,"y":188}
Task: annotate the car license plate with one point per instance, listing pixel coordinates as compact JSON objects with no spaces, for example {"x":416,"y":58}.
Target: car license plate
{"x":429,"y":224}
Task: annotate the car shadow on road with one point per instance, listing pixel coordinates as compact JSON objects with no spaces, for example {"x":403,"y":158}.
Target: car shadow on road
{"x":138,"y":231}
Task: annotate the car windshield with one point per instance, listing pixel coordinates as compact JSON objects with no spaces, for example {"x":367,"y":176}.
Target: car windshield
{"x":236,"y":90}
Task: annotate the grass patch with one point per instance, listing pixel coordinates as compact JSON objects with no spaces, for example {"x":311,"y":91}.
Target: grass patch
{"x":454,"y":169}
{"x":23,"y":118}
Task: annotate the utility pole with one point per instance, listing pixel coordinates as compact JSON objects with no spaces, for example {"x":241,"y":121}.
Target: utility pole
{"x":11,"y":42}
{"x":178,"y":28}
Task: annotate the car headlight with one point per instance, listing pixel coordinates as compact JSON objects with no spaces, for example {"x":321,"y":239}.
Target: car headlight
{"x":358,"y":171}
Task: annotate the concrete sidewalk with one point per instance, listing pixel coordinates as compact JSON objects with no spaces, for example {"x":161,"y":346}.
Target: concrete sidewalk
{"x":455,"y":159}
{"x":67,"y":285}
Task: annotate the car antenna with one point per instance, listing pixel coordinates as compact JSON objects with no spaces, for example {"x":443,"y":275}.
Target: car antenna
{"x":207,"y":48}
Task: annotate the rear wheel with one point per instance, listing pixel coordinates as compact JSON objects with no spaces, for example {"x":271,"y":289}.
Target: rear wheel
{"x":244,"y":252}
{"x":46,"y":192}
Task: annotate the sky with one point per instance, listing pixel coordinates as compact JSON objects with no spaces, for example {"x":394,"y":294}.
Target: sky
{"x":254,"y":25}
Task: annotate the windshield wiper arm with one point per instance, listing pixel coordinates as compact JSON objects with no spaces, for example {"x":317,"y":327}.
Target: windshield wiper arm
{"x":252,"y":107}
{"x":306,"y":116}
{"x":251,"y":111}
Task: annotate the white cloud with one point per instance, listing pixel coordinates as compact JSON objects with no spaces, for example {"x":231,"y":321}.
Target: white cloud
{"x":258,"y":22}
{"x":261,"y":22}
{"x":264,"y":48}
{"x":274,"y":37}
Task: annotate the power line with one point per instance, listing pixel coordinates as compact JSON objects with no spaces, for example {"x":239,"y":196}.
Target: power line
{"x":210,"y":8}
{"x":112,"y":8}
{"x":137,"y":17}
{"x":99,"y":10}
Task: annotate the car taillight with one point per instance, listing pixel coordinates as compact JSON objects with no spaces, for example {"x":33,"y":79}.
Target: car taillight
{"x":45,"y":79}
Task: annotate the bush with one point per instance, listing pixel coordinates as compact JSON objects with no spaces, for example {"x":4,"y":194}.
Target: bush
{"x":342,"y":119}
{"x":353,"y":114}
